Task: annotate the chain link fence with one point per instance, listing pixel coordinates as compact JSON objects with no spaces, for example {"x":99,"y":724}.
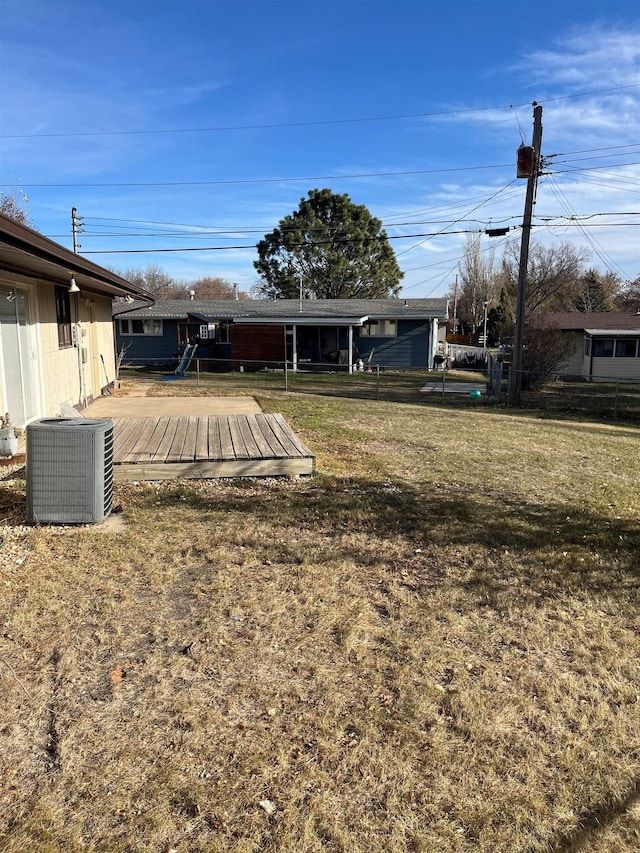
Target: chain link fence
{"x":601,"y":397}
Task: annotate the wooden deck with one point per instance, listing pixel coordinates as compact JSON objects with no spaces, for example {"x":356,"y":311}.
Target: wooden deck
{"x":208,"y":446}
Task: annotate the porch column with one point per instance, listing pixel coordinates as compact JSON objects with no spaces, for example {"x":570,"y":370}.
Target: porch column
{"x":295,"y":348}
{"x":350,"y":362}
{"x":433,"y":343}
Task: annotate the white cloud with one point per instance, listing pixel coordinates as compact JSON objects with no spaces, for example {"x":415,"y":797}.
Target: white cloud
{"x":594,"y":57}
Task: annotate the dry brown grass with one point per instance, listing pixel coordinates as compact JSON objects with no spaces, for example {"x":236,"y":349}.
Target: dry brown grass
{"x":434,"y":645}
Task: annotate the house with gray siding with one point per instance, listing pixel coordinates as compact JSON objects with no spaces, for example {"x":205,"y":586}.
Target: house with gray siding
{"x":396,"y":334}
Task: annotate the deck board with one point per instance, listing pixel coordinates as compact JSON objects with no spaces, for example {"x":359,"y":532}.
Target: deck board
{"x":174,"y":454}
{"x":225,"y":439}
{"x":197,"y":447}
{"x":152,"y":449}
{"x":239,"y":447}
{"x":202,"y":441}
{"x":265,"y":425}
{"x":189,"y":447}
{"x":215,"y":447}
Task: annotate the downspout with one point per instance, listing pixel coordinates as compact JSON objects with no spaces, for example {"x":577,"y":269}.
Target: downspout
{"x":82,"y":391}
{"x":350,"y":362}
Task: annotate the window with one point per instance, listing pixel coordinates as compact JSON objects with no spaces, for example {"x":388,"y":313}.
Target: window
{"x":587,"y":346}
{"x":379,"y":329}
{"x":603,"y":348}
{"x":63,"y":317}
{"x":135,"y":326}
{"x":626,"y":348}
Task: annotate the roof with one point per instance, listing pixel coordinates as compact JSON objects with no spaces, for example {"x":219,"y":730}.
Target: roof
{"x":288,"y":310}
{"x":25,"y":252}
{"x":603,"y":321}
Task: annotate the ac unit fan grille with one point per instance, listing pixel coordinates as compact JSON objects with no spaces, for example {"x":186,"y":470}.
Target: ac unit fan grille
{"x":69,"y":470}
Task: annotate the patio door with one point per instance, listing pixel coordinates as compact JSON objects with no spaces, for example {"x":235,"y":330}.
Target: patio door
{"x":18,"y":357}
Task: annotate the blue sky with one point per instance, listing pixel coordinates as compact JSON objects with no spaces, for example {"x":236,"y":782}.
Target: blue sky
{"x":200,"y":124}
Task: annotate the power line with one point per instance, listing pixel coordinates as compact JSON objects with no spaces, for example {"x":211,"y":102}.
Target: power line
{"x":117,"y":184}
{"x":206,"y":233}
{"x":347,"y":240}
{"x":306,"y":179}
{"x":315,"y":123}
{"x":600,"y":252}
{"x":486,"y":201}
{"x":442,"y":276}
{"x":450,"y":206}
{"x":590,"y":150}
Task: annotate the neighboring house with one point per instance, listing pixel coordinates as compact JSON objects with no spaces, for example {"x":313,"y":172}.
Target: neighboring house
{"x":56,"y":337}
{"x":396,"y":333}
{"x":606,"y":344}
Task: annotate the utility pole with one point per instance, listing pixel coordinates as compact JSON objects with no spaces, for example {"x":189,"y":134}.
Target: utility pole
{"x":76,"y":228}
{"x":455,"y":307}
{"x":515,"y":374}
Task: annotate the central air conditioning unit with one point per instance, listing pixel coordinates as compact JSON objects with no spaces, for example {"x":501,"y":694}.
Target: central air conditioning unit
{"x":69,"y":470}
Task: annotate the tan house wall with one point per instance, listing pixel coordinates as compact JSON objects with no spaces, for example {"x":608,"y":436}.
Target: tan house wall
{"x":75,"y":375}
{"x":572,"y":363}
{"x":71,"y":376}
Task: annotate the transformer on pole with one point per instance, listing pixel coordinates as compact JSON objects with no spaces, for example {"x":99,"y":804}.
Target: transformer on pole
{"x":529,"y":160}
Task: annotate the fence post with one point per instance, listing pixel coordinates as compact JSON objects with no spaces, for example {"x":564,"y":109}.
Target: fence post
{"x":197,"y":372}
{"x":286,"y":375}
{"x":377,"y":381}
{"x":615,"y":405}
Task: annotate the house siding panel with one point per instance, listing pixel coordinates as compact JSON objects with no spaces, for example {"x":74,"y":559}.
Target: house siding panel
{"x":410,"y":349}
{"x":149,"y":348}
{"x":627,"y":369}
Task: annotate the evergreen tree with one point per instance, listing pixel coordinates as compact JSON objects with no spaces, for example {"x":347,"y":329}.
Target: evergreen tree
{"x":332,"y":248}
{"x":596,"y":292}
{"x":500,"y":320}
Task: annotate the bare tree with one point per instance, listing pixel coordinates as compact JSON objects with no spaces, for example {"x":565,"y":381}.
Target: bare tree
{"x":628,"y":297}
{"x":477,"y":282}
{"x":553,"y":275}
{"x":163,"y":286}
{"x":215,"y":288}
{"x":155,"y":280}
{"x":13,"y":204}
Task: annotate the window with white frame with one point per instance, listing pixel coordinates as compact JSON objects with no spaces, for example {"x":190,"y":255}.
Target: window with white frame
{"x":137,"y":326}
{"x":63,"y":317}
{"x":379,"y":329}
{"x":626,"y":347}
{"x":602,"y":348}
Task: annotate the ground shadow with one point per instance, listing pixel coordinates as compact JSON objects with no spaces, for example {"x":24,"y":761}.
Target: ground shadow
{"x":559,"y":545}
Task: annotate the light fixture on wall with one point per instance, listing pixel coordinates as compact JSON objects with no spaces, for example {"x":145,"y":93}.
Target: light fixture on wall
{"x":11,"y":296}
{"x":73,"y":287}
{"x":128,"y":299}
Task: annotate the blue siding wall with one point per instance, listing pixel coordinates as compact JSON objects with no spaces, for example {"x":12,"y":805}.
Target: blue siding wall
{"x":409,"y":349}
{"x":149,"y":347}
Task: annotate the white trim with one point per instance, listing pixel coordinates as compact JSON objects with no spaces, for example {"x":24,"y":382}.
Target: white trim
{"x":614,"y":333}
{"x":302,"y":321}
